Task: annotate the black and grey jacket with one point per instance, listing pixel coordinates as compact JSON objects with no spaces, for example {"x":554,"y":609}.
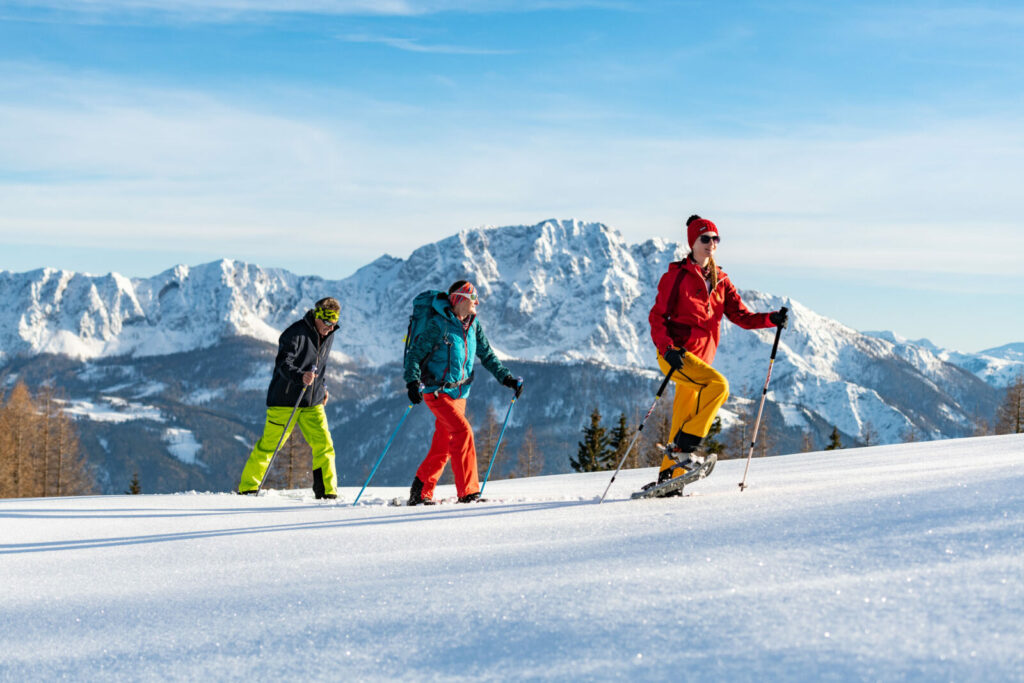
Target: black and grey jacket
{"x":298,"y":350}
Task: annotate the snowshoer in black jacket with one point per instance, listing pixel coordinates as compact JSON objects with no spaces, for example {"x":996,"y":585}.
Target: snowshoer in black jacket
{"x":301,"y":361}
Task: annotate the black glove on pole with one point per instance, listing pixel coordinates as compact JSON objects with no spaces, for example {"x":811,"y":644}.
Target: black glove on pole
{"x":415,"y":396}
{"x":675,"y":358}
{"x":514,"y":383}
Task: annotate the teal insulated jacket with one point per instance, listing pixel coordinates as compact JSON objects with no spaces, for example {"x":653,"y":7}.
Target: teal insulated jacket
{"x":442,"y":356}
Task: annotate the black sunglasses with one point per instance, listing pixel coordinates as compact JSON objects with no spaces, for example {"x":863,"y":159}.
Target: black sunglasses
{"x":708,"y":239}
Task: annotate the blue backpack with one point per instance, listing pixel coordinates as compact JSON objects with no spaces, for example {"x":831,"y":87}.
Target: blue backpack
{"x":422,"y":311}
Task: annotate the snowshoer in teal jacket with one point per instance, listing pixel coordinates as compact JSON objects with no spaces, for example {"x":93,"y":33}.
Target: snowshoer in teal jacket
{"x":442,"y":358}
{"x":441,"y":361}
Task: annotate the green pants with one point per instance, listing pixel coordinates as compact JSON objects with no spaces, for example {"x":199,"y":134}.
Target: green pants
{"x":313,"y":424}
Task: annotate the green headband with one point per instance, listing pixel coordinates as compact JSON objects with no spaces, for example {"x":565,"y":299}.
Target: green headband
{"x":326,"y":315}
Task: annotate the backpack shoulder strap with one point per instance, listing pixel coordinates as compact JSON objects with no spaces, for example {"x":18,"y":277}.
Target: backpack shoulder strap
{"x":673,"y":297}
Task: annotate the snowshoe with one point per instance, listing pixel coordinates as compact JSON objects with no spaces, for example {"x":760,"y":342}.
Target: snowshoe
{"x":668,"y":485}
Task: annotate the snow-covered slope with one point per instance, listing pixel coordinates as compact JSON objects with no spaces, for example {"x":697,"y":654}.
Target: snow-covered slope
{"x":889,"y":563}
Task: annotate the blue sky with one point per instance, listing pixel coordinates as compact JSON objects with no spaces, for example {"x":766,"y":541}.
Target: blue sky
{"x":862,"y":158}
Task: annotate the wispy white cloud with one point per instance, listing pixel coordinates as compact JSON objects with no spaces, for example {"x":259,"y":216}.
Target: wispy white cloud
{"x":220,"y":10}
{"x":900,"y":22}
{"x":414,"y":45}
{"x":102,"y":162}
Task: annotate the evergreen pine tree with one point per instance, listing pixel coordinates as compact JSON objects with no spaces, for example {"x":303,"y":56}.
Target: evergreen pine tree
{"x":834,"y":442}
{"x":593,"y":452}
{"x":134,"y":488}
{"x":619,"y":440}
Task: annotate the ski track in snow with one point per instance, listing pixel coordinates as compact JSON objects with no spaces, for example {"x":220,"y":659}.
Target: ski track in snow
{"x":886,"y":563}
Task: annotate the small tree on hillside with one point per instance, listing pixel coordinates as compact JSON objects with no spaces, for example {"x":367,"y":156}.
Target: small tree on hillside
{"x":738,"y":443}
{"x":834,"y":442}
{"x":1010,"y":414}
{"x":910,"y":434}
{"x":488,"y":438}
{"x":658,"y":430}
{"x":807,"y":444}
{"x":593,"y":452}
{"x":134,"y":488}
{"x":531,"y":461}
{"x":711,"y":444}
{"x":292,"y":466}
{"x":767,"y":441}
{"x":868,"y":434}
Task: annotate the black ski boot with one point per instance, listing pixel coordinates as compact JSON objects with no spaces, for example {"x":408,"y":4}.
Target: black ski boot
{"x":472,"y":498}
{"x":416,"y":494}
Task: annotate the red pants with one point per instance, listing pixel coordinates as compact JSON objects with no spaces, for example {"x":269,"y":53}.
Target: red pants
{"x":453,"y":439}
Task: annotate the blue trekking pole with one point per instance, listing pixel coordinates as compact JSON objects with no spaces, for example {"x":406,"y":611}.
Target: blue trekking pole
{"x":381,"y":458}
{"x":495,"y":454}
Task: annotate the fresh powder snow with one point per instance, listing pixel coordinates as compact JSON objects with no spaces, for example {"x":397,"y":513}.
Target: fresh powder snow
{"x":886,"y":563}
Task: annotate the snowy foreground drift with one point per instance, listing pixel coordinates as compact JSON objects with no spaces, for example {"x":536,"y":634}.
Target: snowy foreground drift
{"x":881,"y":563}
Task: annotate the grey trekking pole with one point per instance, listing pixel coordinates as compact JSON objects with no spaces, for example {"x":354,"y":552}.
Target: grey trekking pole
{"x":283,"y":434}
{"x":661,"y":390}
{"x":764,"y":394}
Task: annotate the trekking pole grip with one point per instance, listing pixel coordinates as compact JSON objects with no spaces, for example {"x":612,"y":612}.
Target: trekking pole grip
{"x":778,"y":335}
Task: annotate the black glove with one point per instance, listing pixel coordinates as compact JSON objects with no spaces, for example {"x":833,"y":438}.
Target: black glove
{"x":414,"y":392}
{"x":779,"y":318}
{"x":674,"y":357}
{"x":515,"y":383}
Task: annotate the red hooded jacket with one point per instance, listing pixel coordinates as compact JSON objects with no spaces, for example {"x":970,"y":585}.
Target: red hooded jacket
{"x":694,"y":321}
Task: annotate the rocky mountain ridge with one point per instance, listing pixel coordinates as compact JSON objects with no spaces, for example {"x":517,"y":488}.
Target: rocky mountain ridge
{"x":565,"y":299}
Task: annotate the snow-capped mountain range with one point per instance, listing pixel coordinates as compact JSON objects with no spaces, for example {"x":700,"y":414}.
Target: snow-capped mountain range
{"x":559,"y":293}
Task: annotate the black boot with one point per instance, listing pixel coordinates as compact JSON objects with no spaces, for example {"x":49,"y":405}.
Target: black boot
{"x":319,"y":491}
{"x":416,"y":494}
{"x":687,"y":443}
{"x":472,"y":498}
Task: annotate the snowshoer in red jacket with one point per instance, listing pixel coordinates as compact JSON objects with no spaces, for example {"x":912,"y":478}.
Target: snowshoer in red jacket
{"x":685,"y":325}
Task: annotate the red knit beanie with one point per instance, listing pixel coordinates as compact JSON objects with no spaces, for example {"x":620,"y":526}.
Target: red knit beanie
{"x":697,"y":226}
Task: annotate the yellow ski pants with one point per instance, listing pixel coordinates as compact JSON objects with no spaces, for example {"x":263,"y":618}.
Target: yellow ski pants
{"x":700,"y":392}
{"x":313,"y":425}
